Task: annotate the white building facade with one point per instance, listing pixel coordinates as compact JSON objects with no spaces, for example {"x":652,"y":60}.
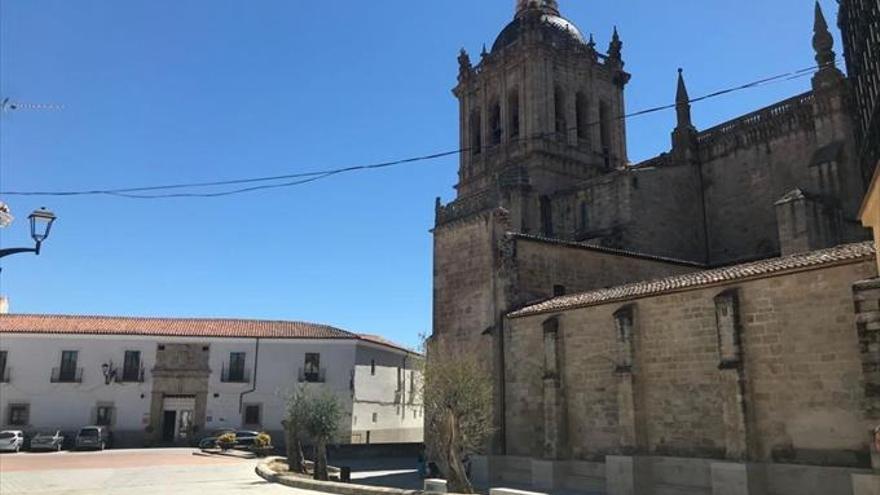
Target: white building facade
{"x":172,"y":381}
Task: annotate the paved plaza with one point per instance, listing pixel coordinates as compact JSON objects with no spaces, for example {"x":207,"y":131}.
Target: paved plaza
{"x":132,"y":472}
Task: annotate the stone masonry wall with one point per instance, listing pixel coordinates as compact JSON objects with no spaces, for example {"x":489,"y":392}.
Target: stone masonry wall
{"x":541,"y":265}
{"x":802,"y":366}
{"x":741,"y":189}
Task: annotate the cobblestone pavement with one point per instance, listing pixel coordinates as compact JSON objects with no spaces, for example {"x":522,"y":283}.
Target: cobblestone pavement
{"x":132,"y":472}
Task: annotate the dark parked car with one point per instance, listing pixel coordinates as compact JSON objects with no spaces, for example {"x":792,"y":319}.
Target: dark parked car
{"x":93,"y":437}
{"x":47,"y":440}
{"x":243,"y":439}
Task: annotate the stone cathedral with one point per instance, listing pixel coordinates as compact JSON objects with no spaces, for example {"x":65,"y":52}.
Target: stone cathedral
{"x":700,"y":307}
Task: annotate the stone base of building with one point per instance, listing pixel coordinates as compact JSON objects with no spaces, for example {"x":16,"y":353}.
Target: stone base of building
{"x":644,"y":475}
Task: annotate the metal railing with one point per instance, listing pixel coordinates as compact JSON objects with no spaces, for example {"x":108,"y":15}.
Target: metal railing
{"x":311,"y":376}
{"x":66,"y":375}
{"x":131,"y":376}
{"x":236,"y":375}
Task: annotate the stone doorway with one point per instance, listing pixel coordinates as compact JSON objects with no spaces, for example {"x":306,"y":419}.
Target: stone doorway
{"x":178,"y":413}
{"x":180,"y":394}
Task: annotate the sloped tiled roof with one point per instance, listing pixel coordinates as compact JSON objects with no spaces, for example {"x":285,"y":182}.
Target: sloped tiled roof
{"x":168,"y":327}
{"x":376,"y":339}
{"x":757,"y":269}
{"x":179,"y":327}
{"x":602,"y":249}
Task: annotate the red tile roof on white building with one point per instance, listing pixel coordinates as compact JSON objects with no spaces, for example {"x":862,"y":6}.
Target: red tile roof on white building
{"x":178,"y":327}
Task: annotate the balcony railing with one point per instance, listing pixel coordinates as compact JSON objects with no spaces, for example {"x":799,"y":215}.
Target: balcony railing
{"x":311,"y":376}
{"x":66,"y":375}
{"x":4,"y":374}
{"x":131,"y":376}
{"x":235,"y":375}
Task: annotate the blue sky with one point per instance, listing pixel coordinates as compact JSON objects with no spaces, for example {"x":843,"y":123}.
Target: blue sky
{"x":187,"y":90}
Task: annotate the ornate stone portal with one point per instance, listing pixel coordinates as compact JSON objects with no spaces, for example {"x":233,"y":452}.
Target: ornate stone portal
{"x":180,"y":394}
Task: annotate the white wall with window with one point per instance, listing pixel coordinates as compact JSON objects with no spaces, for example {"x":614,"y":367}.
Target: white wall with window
{"x":66,"y":381}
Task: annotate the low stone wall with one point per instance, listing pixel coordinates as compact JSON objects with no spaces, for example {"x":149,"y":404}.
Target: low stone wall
{"x":267,"y":474}
{"x":624,"y":475}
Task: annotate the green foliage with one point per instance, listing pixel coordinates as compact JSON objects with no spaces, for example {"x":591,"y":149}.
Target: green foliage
{"x":324,"y":416}
{"x":295,"y":427}
{"x":311,"y":415}
{"x":457,"y":396}
{"x":298,"y":410}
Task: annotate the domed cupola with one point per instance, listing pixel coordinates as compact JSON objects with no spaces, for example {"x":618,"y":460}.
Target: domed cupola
{"x":544,"y":16}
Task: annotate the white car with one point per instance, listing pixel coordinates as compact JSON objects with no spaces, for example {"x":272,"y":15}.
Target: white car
{"x":11,"y":440}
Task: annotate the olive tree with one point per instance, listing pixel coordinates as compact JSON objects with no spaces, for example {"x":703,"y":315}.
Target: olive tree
{"x":457,"y":396}
{"x":322,"y":422}
{"x":295,"y":427}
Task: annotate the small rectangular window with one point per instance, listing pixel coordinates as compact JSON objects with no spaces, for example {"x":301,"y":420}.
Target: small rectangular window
{"x":375,"y":417}
{"x":252,"y":414}
{"x":104,"y":415}
{"x":18,"y":414}
{"x":373,"y":367}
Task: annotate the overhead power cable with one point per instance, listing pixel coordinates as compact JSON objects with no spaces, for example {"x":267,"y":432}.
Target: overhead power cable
{"x":300,"y":178}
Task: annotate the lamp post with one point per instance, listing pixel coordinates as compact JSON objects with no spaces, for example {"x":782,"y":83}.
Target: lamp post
{"x":41,"y":224}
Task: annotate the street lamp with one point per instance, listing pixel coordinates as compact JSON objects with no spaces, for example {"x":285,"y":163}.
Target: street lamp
{"x":41,"y":224}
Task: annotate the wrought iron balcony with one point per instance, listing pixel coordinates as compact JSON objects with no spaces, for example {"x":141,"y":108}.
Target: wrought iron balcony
{"x":312,"y":376}
{"x":66,"y":375}
{"x":235,"y":375}
{"x":134,"y":375}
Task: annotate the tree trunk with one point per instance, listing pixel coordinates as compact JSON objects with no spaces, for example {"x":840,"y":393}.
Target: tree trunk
{"x":321,"y":460}
{"x":456,"y":478}
{"x":294,"y":449}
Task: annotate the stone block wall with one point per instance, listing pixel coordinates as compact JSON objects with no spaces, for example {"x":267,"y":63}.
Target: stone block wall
{"x":540,"y":265}
{"x":801,"y":374}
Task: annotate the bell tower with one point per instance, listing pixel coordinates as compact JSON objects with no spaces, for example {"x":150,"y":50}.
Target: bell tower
{"x":539,"y":111}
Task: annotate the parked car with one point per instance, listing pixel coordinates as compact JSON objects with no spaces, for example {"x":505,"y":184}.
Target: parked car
{"x":47,"y":440}
{"x":93,"y":437}
{"x":11,"y":440}
{"x":243,"y":439}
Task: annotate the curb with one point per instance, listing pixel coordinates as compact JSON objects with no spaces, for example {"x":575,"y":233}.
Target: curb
{"x":212,"y":453}
{"x":267,"y":474}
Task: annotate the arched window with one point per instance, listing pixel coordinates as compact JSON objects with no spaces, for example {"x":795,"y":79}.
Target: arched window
{"x":513,"y":113}
{"x":495,"y":123}
{"x":476,"y":128}
{"x":561,"y":123}
{"x":583,"y":116}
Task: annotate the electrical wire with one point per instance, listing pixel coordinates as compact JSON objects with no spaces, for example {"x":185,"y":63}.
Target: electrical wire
{"x":307,"y":177}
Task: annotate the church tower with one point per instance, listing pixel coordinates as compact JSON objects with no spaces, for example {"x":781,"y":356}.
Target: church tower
{"x":539,"y":111}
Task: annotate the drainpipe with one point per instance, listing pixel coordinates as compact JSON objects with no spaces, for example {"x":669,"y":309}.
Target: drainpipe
{"x":254,"y":385}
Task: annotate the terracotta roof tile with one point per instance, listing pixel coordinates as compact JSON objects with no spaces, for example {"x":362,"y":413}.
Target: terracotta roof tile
{"x":168,"y":327}
{"x":376,"y":339}
{"x":767,"y":267}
